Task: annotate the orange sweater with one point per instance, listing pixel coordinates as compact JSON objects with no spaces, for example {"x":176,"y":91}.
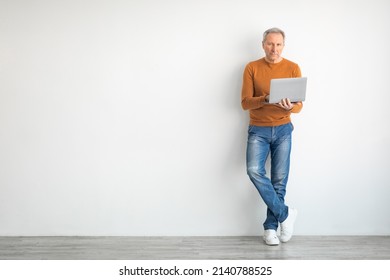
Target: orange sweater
{"x":256,"y":85}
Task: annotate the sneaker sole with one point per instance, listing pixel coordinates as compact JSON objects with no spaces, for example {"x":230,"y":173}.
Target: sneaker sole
{"x":270,"y":244}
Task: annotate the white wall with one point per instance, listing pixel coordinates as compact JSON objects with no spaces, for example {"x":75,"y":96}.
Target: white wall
{"x":124,"y":118}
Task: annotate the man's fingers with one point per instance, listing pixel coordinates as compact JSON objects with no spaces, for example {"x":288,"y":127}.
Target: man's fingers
{"x":286,"y":104}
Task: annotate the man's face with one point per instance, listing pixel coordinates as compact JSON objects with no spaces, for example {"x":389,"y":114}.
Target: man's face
{"x":273,"y":47}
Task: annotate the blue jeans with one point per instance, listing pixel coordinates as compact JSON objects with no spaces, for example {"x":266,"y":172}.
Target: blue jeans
{"x":262,"y":141}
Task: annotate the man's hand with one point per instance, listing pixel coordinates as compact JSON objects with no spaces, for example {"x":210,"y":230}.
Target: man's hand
{"x":286,"y":104}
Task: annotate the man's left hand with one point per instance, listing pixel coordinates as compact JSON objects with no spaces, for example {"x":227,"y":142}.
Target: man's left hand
{"x":286,"y":104}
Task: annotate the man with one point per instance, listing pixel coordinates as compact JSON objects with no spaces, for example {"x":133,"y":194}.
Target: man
{"x":269,"y":132}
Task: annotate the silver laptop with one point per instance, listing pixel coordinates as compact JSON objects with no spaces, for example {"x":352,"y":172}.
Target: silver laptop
{"x":292,"y":88}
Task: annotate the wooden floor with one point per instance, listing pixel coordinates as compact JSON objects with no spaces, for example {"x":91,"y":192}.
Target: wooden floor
{"x":194,"y":248}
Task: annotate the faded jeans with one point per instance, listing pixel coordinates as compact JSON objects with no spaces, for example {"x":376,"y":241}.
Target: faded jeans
{"x":274,"y":141}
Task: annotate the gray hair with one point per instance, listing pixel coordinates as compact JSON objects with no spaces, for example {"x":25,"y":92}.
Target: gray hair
{"x":273,"y":30}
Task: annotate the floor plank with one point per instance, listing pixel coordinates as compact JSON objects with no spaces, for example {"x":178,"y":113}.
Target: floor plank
{"x":193,"y":248}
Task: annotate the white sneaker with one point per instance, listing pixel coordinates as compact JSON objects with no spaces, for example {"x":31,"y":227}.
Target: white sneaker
{"x":287,"y":227}
{"x":270,"y":238}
